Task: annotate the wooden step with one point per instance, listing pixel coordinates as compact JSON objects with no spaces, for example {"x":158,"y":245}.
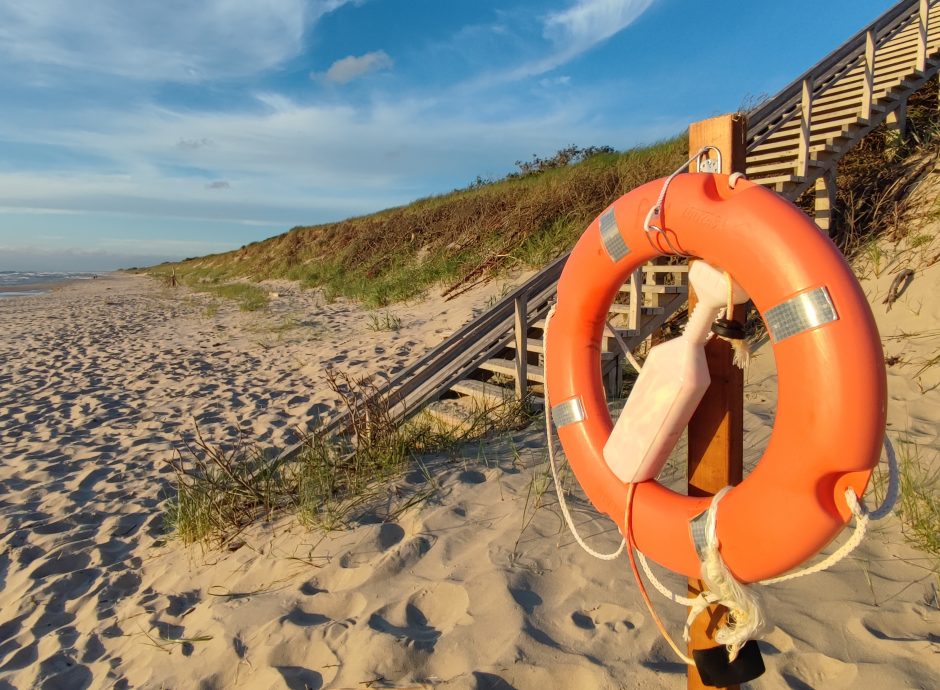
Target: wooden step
{"x":451,"y":414}
{"x":531,"y":345}
{"x":617,"y":308}
{"x":792,"y":130}
{"x":783,"y":165}
{"x":823,"y":138}
{"x":881,"y":82}
{"x":778,"y":182}
{"x":609,"y":344}
{"x":488,"y":395}
{"x":659,"y":268}
{"x":819,"y":149}
{"x":507,"y":367}
{"x":651,"y":289}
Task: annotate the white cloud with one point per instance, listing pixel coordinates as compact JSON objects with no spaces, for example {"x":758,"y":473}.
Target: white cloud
{"x":176,"y":40}
{"x":570,"y":32}
{"x":352,"y":67}
{"x":588,"y":22}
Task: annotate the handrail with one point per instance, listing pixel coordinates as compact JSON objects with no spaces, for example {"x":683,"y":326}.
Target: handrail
{"x":757,"y":116}
{"x":781,"y":109}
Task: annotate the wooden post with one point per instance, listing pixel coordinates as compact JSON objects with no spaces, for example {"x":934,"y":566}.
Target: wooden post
{"x":806,"y":114}
{"x":825,"y":199}
{"x":636,"y":298}
{"x":522,"y":350}
{"x":896,"y":125}
{"x":922,"y":36}
{"x":868,"y":83}
{"x":716,"y":430}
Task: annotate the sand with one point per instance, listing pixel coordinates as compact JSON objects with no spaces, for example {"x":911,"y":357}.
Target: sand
{"x":478,"y":587}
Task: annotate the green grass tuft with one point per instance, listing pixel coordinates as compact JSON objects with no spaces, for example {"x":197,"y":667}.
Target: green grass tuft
{"x":220,"y":492}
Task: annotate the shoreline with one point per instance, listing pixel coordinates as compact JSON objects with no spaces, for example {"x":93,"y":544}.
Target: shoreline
{"x":44,"y":288}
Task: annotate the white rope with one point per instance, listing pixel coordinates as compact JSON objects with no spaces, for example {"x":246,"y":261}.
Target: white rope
{"x":745,"y":618}
{"x":551,"y":459}
{"x":657,"y":207}
{"x":659,"y":586}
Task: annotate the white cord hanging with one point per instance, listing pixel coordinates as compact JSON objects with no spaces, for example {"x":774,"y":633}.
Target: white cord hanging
{"x":551,"y":459}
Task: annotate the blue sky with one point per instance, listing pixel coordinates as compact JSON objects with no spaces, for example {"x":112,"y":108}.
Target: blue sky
{"x":133,"y":131}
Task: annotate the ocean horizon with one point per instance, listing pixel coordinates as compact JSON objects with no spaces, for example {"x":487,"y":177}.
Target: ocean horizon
{"x":31,"y":283}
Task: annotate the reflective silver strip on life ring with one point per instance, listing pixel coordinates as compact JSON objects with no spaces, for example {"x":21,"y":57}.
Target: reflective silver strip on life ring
{"x":698,"y":530}
{"x":800,"y":313}
{"x":570,"y":411}
{"x":611,"y":237}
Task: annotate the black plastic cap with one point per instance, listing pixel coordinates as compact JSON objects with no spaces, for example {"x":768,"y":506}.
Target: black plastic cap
{"x":726,"y":328}
{"x":717,"y":672}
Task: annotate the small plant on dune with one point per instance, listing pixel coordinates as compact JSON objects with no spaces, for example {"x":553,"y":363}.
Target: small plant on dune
{"x":386,"y":321}
{"x":249,"y":297}
{"x":497,"y":296}
{"x":918,"y":505}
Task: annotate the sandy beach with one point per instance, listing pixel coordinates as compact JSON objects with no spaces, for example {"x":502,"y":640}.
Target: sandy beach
{"x":479,"y":587}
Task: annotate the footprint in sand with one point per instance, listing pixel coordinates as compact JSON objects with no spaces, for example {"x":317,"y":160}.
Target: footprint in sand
{"x":609,"y":617}
{"x":813,"y":670}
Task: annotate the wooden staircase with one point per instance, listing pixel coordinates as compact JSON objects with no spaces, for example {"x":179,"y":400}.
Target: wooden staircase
{"x":795,"y":141}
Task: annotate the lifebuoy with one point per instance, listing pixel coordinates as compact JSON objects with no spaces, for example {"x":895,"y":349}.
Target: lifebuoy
{"x":831,"y":400}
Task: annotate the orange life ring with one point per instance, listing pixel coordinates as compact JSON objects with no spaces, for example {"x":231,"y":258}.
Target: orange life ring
{"x":831,"y":400}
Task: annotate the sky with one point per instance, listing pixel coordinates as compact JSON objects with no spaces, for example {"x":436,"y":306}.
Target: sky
{"x":134,"y":131}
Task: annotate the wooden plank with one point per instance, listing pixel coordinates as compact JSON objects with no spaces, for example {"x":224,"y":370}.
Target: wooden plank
{"x":824,"y":200}
{"x":508,"y":368}
{"x":628,"y":309}
{"x":868,"y":82}
{"x":922,"y":35}
{"x":522,"y":354}
{"x":651,"y":289}
{"x":716,"y":435}
{"x":637,"y":279}
{"x":666,"y":268}
{"x":485,"y":392}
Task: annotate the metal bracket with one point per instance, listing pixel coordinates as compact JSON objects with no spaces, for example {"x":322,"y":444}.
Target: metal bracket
{"x":704,"y":164}
{"x":709,"y":165}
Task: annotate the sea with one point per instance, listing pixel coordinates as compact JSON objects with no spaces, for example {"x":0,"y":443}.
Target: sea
{"x":27,"y":283}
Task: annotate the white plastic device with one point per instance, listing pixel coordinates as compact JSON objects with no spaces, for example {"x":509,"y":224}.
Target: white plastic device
{"x":670,"y":386}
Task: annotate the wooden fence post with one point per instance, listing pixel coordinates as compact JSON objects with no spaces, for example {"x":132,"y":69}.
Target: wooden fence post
{"x":716,"y":430}
{"x":868,"y":83}
{"x":806,"y":114}
{"x":922,"y":36}
{"x":522,"y":351}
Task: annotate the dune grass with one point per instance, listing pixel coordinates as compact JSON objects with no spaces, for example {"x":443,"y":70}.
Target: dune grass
{"x":919,"y":501}
{"x":523,"y":220}
{"x":221,"y":491}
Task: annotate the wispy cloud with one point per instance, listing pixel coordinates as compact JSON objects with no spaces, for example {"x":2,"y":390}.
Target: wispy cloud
{"x":352,"y":67}
{"x":566,"y":34}
{"x":589,"y":22}
{"x":174,"y":40}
